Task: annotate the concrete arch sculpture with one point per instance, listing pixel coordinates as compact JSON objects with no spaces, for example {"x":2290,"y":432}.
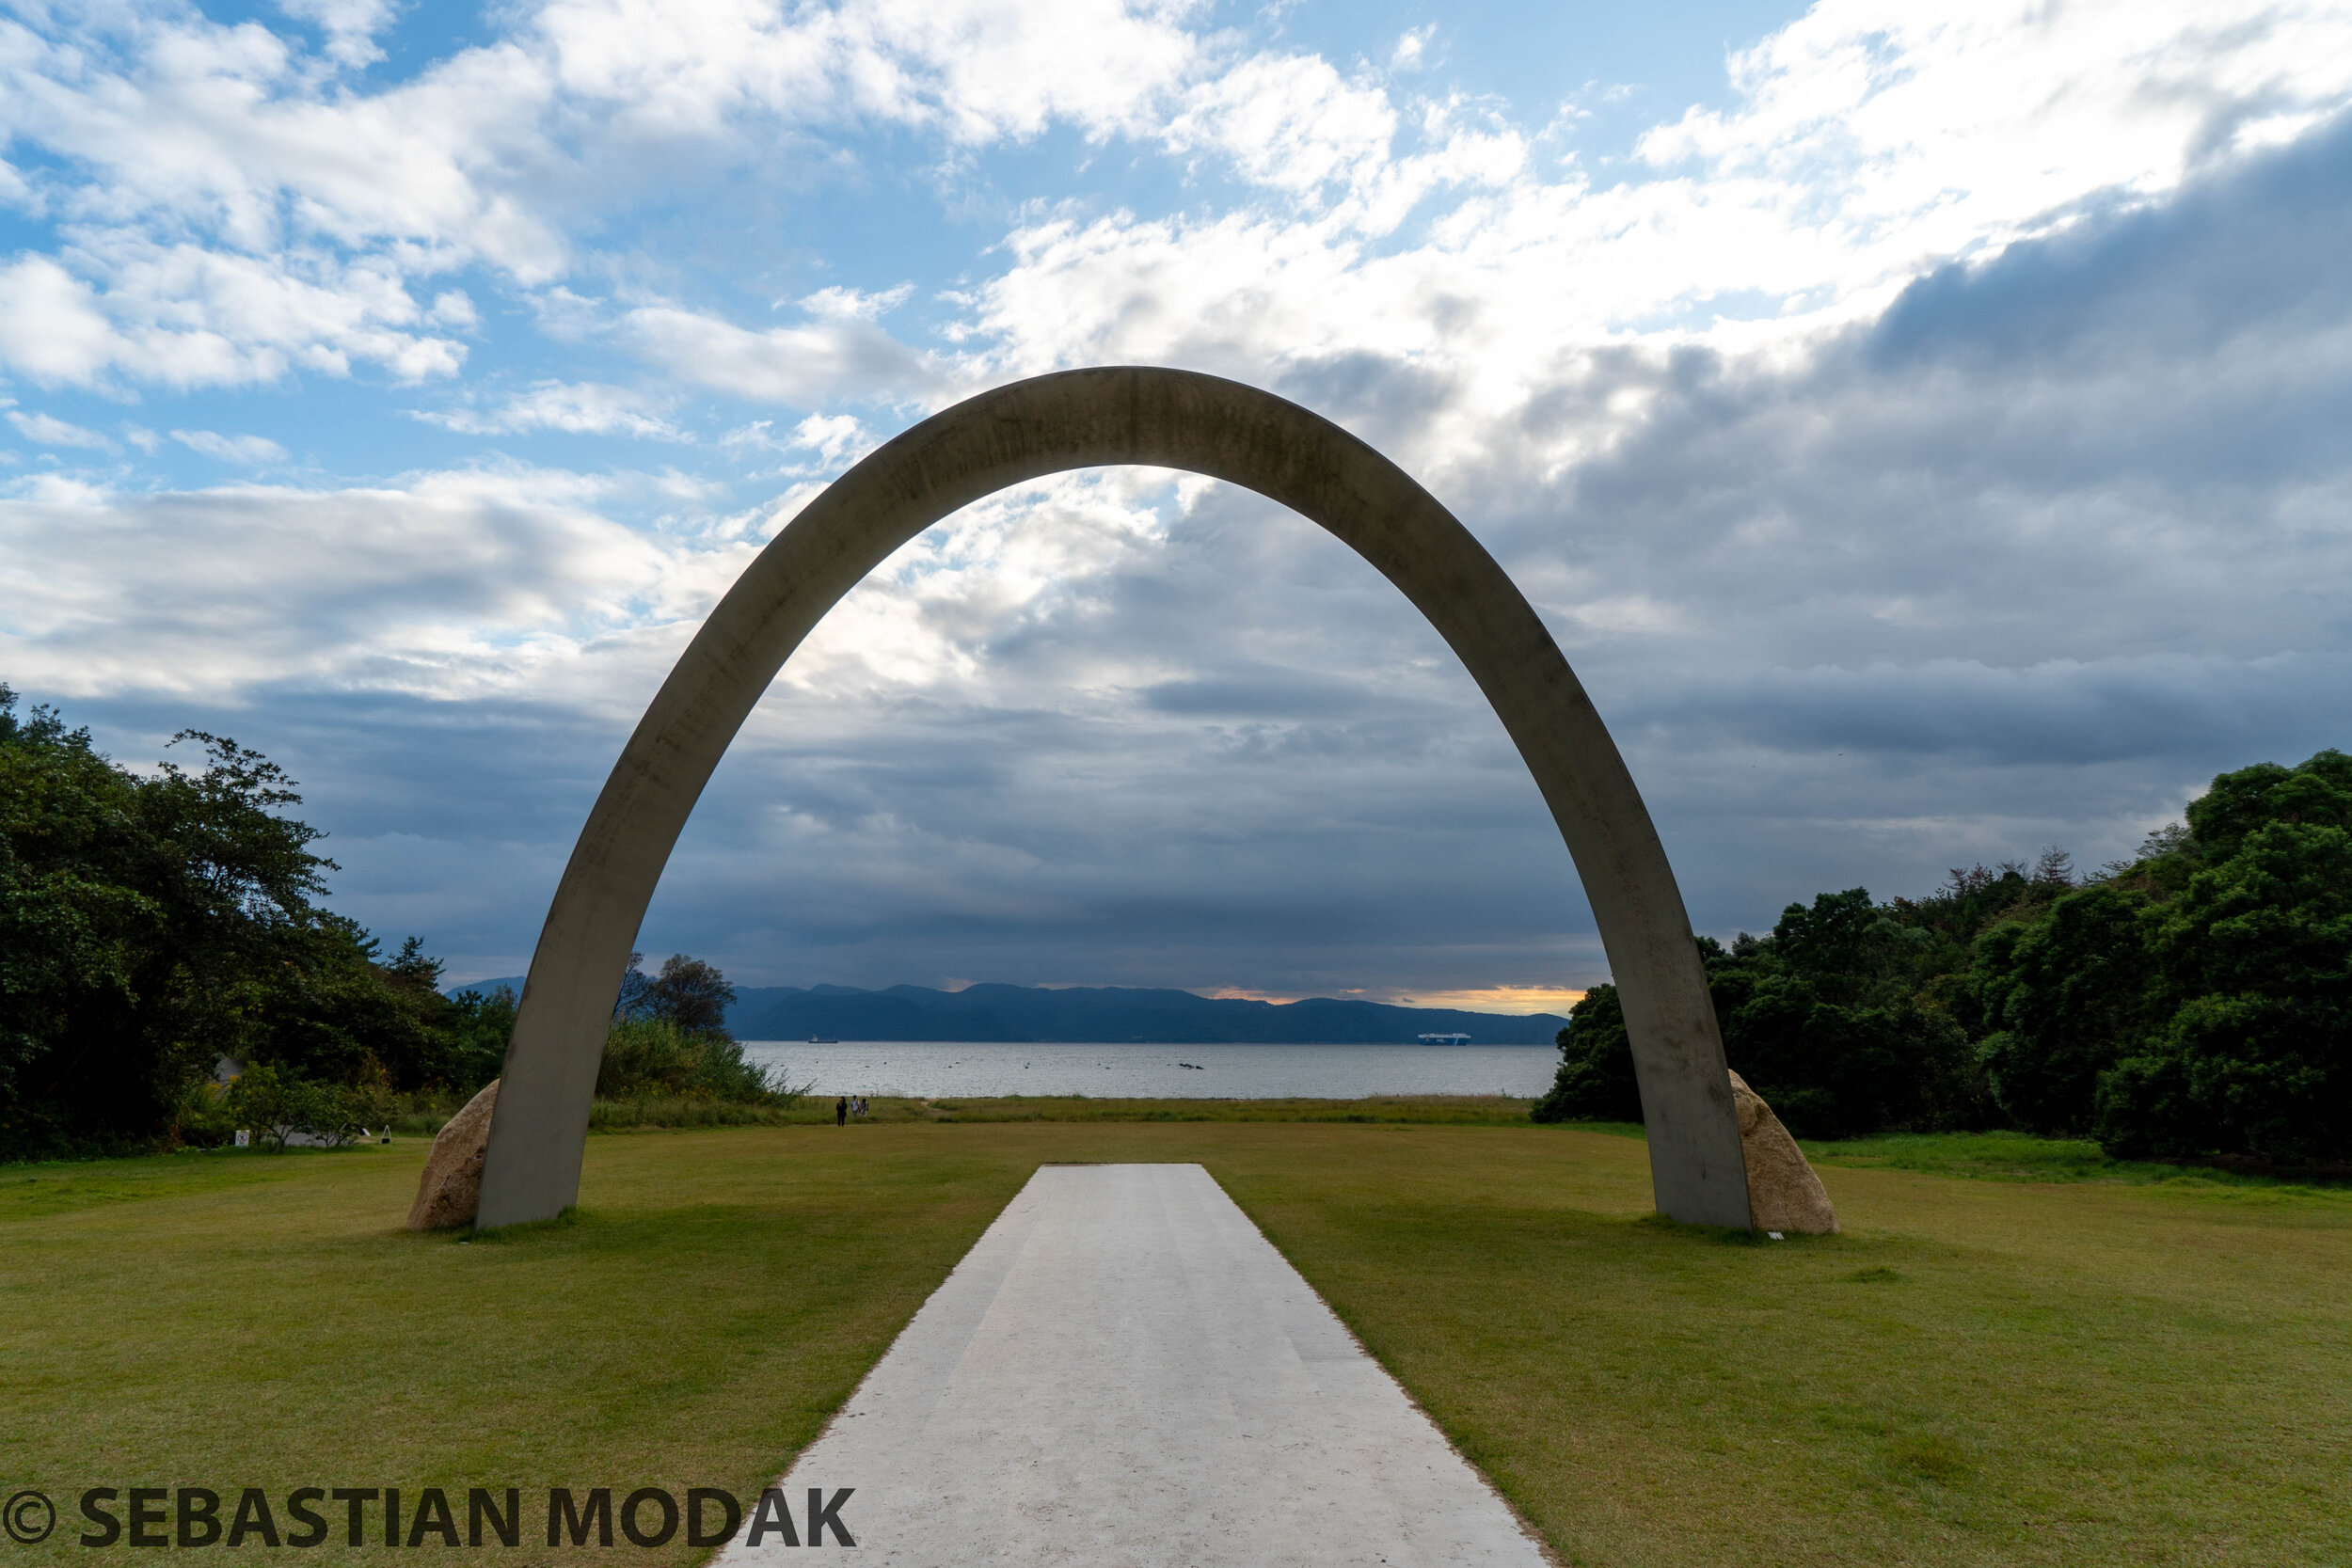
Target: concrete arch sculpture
{"x":1094,"y":419}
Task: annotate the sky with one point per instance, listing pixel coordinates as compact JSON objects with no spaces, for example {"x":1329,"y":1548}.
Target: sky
{"x":1927,"y":426}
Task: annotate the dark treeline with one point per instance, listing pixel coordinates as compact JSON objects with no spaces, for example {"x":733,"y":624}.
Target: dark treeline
{"x":152,"y":927}
{"x":2193,"y":1001}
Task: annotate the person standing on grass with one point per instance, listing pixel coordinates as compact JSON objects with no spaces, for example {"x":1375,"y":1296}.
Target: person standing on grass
{"x":841,"y":1112}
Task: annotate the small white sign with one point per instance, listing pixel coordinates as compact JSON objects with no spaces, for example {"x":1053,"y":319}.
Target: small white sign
{"x":245,"y":1137}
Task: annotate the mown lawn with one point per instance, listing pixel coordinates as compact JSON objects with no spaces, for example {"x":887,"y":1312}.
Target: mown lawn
{"x":1978,"y":1372}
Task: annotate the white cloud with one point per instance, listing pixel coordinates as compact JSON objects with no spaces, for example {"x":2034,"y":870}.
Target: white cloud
{"x":350,"y":26}
{"x":244,"y":451}
{"x":837,"y":439}
{"x":1924,"y":132}
{"x":234,"y":215}
{"x":51,"y":330}
{"x":52,"y":432}
{"x":1412,"y":48}
{"x":1870,"y":142}
{"x":583,"y":408}
{"x":974,"y":70}
{"x":448,"y":585}
{"x":1289,"y":122}
{"x":841,"y":357}
{"x":184,"y":317}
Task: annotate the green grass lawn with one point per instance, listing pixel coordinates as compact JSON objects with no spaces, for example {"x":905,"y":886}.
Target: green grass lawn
{"x":1978,"y":1372}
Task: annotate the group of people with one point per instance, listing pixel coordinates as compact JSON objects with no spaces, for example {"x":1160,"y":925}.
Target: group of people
{"x":848,"y":1106}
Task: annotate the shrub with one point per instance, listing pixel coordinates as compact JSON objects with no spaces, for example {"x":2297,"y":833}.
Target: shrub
{"x":653,"y":1057}
{"x":277,"y":1105}
{"x":204,"y":1118}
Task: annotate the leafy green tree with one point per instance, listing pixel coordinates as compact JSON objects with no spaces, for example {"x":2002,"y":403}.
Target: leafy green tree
{"x":481,"y":1024}
{"x":2256,"y":1056}
{"x":1594,"y":1081}
{"x":152,"y":925}
{"x":327,"y":1010}
{"x":1824,"y":1019}
{"x":2066,"y":996}
{"x":692,"y":994}
{"x":132,"y":914}
{"x":2316,"y":793}
{"x":76,"y":934}
{"x":1817,"y":1017}
{"x":2196,"y":1001}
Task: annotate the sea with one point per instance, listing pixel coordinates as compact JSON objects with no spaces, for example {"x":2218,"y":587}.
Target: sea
{"x":930,"y":1069}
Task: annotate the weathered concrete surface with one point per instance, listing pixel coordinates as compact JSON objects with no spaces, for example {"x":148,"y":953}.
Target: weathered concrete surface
{"x":1123,"y":1372}
{"x":451,"y":1188}
{"x":1784,"y":1192}
{"x":1092,"y":419}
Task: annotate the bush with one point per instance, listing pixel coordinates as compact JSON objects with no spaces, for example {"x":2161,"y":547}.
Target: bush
{"x":1838,"y":1071}
{"x":1829,"y":1069}
{"x":653,"y":1058}
{"x":204,"y":1118}
{"x":278,"y":1106}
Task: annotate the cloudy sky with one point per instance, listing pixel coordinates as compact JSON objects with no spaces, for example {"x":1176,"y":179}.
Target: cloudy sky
{"x":1926,"y":423}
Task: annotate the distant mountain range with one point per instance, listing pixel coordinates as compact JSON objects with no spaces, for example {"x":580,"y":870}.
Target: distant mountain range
{"x":1105,"y":1014}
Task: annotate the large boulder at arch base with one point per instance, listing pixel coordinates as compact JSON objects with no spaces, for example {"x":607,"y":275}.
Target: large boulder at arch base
{"x":451,"y":1188}
{"x":1784,"y":1194}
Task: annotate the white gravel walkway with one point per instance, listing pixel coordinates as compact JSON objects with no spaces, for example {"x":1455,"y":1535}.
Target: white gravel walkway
{"x":1123,"y":1372}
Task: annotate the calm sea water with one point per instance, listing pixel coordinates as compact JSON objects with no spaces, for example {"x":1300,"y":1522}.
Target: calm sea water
{"x":928,"y":1070}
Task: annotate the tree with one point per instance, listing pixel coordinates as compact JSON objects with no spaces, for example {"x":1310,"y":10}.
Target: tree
{"x":633,"y":1001}
{"x":152,"y":925}
{"x":1823,"y":1017}
{"x":2199,"y":999}
{"x":2066,"y":995}
{"x":134,"y":913}
{"x":2316,"y":793}
{"x":482,"y":1025}
{"x":1826,"y":1019}
{"x":2256,"y":1055}
{"x":688,"y":993}
{"x":1594,"y":1081}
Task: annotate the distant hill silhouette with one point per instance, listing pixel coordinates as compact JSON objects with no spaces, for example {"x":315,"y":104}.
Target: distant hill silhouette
{"x":1108,"y":1014}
